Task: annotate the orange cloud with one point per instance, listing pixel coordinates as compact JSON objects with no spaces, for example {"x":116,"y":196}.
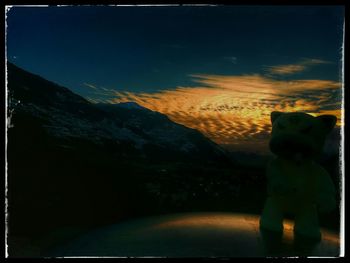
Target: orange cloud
{"x":233,"y":111}
{"x":294,"y":68}
{"x":262,"y":85}
{"x":286,"y":69}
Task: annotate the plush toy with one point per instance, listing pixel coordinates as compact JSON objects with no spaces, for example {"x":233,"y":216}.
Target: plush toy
{"x":297,"y":185}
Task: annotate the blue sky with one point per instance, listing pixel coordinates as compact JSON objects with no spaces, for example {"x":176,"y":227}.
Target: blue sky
{"x":150,"y":48}
{"x":134,"y":53}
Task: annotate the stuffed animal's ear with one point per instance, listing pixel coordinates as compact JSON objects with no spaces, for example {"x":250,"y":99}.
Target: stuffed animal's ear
{"x":275,"y":115}
{"x":328,"y":122}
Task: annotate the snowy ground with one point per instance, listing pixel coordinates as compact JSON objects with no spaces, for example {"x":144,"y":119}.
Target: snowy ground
{"x":189,"y":235}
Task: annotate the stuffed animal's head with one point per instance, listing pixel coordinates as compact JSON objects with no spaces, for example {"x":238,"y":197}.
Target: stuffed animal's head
{"x":298,"y":135}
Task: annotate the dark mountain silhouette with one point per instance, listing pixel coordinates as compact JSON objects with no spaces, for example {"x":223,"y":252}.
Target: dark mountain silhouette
{"x":67,"y":116}
{"x":75,"y":163}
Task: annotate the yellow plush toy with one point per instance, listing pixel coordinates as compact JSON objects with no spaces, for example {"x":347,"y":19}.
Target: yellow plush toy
{"x":296,"y":184}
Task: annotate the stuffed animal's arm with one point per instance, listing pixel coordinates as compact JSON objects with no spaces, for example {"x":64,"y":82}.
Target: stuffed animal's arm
{"x":326,"y":192}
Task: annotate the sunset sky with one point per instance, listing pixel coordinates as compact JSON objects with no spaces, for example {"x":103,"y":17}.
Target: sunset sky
{"x":218,"y":69}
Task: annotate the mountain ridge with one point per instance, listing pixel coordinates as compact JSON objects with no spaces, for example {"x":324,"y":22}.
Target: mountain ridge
{"x":68,"y":115}
{"x":71,"y":162}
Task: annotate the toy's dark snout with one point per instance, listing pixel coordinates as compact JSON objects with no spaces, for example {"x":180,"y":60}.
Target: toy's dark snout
{"x":291,"y":145}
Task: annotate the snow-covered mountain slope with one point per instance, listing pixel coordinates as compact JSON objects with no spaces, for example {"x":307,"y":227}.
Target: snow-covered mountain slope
{"x":68,"y":116}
